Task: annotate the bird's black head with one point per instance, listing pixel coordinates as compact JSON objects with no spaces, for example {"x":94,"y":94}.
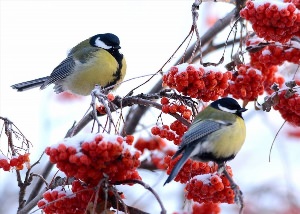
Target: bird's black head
{"x":107,"y":41}
{"x":228,"y":104}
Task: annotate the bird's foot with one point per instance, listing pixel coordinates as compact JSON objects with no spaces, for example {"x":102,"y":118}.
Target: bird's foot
{"x":100,"y":94}
{"x":238,"y":197}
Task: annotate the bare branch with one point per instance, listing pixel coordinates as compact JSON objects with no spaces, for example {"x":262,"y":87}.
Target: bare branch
{"x":146,"y":186}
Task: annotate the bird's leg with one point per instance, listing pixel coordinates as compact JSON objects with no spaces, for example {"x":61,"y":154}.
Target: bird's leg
{"x":238,"y":195}
{"x":97,"y":93}
{"x":93,"y":104}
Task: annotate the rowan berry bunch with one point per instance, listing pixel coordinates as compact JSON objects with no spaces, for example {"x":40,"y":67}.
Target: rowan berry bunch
{"x":295,"y":2}
{"x":196,"y":81}
{"x":190,"y":169}
{"x":174,"y":132}
{"x":60,"y":200}
{"x":274,"y":20}
{"x":204,"y":208}
{"x":88,"y":157}
{"x":247,"y":84}
{"x":268,"y":59}
{"x":210,"y":188}
{"x":4,"y":163}
{"x":275,"y":54}
{"x":151,"y":144}
{"x":203,"y":183}
{"x":17,"y":162}
{"x":271,"y":76}
{"x":157,"y":158}
{"x":173,"y":108}
{"x":76,"y":200}
{"x":289,"y":107}
{"x":101,"y":108}
{"x":158,"y":148}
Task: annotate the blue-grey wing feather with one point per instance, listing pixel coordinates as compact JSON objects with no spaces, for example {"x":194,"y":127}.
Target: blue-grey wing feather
{"x":200,"y":130}
{"x":197,"y":132}
{"x":64,"y":69}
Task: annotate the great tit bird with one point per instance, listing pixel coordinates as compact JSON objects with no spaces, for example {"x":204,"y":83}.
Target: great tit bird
{"x":216,"y":134}
{"x":96,"y":60}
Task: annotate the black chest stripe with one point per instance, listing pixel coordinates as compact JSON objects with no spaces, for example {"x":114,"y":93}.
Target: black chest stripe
{"x":117,"y":75}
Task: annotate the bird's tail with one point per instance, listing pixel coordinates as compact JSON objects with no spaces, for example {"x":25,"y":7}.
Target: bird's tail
{"x":185,"y":156}
{"x":29,"y":84}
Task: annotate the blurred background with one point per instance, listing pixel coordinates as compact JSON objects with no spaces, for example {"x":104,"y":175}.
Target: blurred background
{"x":35,"y":37}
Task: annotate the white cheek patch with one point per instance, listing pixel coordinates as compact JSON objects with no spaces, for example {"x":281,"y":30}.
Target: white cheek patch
{"x":101,"y":44}
{"x":226,"y":109}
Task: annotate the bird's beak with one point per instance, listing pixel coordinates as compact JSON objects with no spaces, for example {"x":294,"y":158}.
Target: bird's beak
{"x":117,"y":47}
{"x":242,"y":110}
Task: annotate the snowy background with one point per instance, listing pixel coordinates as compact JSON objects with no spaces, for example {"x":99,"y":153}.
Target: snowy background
{"x":36,"y":35}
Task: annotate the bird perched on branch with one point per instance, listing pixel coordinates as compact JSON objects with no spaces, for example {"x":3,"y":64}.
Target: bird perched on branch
{"x":216,"y":134}
{"x":96,"y":60}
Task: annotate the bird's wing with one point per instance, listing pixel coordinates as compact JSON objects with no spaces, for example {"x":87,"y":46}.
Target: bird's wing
{"x":64,"y":69}
{"x":199,"y":130}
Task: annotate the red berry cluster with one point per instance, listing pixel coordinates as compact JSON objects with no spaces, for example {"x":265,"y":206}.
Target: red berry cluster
{"x":204,"y":184}
{"x":276,"y":54}
{"x":4,"y":164}
{"x":267,"y":59}
{"x":247,"y":84}
{"x":173,"y":108}
{"x":100,"y":108}
{"x":151,"y":144}
{"x":190,"y":169}
{"x":205,"y":208}
{"x":174,"y":132}
{"x":271,"y":77}
{"x":17,"y":162}
{"x":274,"y":20}
{"x":210,"y":188}
{"x":158,"y":148}
{"x":289,"y":108}
{"x":157,"y":158}
{"x":59,"y":200}
{"x":295,"y":2}
{"x":110,"y":97}
{"x":176,"y":129}
{"x":88,"y":157}
{"x":206,"y":83}
{"x":293,"y":133}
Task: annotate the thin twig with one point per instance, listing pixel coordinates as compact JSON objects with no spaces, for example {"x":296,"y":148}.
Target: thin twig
{"x":195,"y":16}
{"x":146,"y":186}
{"x":160,"y":70}
{"x":275,"y":139}
{"x":41,"y":177}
